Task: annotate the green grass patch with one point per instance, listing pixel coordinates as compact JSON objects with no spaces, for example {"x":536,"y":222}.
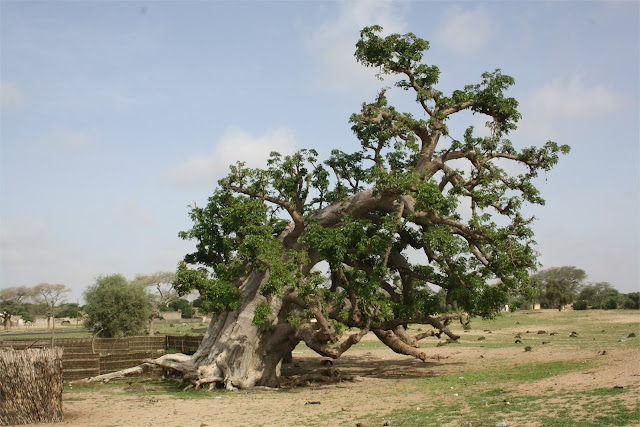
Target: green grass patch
{"x":513,"y":373}
{"x":498,"y":405}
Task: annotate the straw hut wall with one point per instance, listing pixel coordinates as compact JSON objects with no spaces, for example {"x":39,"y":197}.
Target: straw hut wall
{"x":31,"y":386}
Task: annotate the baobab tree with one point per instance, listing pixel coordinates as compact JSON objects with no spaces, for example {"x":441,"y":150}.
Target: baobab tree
{"x":418,"y":208}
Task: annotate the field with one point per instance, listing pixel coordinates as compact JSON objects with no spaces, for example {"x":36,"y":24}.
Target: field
{"x":73,"y":331}
{"x":486,"y":379}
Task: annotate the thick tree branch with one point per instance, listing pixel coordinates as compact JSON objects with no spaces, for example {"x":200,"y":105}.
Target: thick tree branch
{"x":295,"y":215}
{"x":391,"y":340}
{"x":452,"y":110}
{"x":310,"y":337}
{"x":437,"y":322}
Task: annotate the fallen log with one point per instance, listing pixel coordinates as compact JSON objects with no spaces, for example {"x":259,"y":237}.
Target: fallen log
{"x":178,"y":362}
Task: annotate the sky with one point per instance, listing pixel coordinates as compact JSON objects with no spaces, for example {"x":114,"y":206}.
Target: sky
{"x":116,"y":116}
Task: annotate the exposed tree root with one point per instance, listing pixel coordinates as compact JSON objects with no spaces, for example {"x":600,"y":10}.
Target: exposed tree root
{"x":180,"y":363}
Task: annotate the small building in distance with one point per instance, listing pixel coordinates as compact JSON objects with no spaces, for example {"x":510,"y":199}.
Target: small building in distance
{"x":171,"y":315}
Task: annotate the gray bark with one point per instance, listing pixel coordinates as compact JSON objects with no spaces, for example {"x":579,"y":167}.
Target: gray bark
{"x":237,"y":353}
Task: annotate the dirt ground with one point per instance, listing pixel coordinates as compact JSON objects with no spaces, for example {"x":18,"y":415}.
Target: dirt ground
{"x":371,"y":373}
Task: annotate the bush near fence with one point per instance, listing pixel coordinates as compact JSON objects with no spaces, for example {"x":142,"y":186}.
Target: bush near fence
{"x":88,"y":357}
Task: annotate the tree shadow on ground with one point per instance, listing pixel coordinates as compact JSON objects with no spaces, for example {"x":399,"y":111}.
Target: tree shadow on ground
{"x":307,"y":370}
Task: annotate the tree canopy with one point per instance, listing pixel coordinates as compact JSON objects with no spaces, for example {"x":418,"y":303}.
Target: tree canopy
{"x":559,"y":286}
{"x":600,"y":295}
{"x":114,"y":307}
{"x":160,"y":290}
{"x":418,"y":208}
{"x":12,"y":301}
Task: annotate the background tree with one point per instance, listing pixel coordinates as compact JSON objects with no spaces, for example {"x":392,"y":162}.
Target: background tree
{"x":161,"y":293}
{"x":51,"y":296}
{"x":202,"y":304}
{"x":559,"y":286}
{"x":599,"y":295}
{"x":70,"y":310}
{"x":629,"y":301}
{"x":524,"y":300}
{"x":387,"y":220}
{"x":116,"y":307}
{"x":12,"y":302}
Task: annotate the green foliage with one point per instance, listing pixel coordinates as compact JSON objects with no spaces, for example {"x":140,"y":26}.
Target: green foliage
{"x":219,"y":295}
{"x":599,"y":295}
{"x":70,"y":310}
{"x":263,"y":310}
{"x":580,"y":305}
{"x":116,"y":307}
{"x":13,"y":302}
{"x":629,"y":301}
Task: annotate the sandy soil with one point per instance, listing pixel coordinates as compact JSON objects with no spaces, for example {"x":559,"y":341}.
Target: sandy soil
{"x":375,"y":371}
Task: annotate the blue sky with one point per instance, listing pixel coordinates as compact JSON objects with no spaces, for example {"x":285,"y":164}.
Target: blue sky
{"x":118,"y":115}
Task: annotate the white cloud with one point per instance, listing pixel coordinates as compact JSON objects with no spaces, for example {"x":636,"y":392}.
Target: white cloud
{"x":573,"y":99}
{"x":565,"y":99}
{"x":235,"y":145}
{"x":465,"y":31}
{"x":332,"y":45}
{"x":11,"y":96}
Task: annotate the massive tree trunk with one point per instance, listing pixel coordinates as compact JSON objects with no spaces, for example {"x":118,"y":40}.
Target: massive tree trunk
{"x":235,"y":352}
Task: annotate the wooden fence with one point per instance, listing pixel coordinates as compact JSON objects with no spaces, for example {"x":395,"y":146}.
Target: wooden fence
{"x":187,"y":344}
{"x":87,"y":357}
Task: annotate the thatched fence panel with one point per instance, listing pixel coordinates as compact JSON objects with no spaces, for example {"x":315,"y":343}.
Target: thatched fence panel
{"x":148,"y":344}
{"x":128,"y":344}
{"x":111,"y":345}
{"x":31,"y":386}
{"x":26,"y":343}
{"x":117,"y":362}
{"x":76,"y":366}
